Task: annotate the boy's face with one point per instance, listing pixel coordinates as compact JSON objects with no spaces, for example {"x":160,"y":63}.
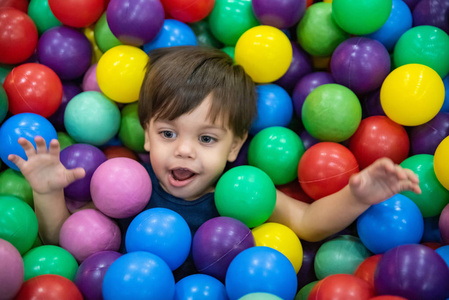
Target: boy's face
{"x":189,"y":153}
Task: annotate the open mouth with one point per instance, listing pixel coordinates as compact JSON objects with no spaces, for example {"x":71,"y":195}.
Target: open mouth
{"x":182,"y":174}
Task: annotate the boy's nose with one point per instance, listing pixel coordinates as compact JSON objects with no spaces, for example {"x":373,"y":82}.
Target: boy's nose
{"x":185,"y":149}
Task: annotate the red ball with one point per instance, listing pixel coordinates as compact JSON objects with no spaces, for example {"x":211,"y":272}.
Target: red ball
{"x":77,"y":13}
{"x":325,"y":168}
{"x":18,"y":36}
{"x":367,"y":268}
{"x":188,"y":11}
{"x":341,"y":287}
{"x":377,"y":137}
{"x":18,"y":4}
{"x":33,"y":88}
{"x":119,"y":151}
{"x":49,"y":287}
{"x":294,"y":190}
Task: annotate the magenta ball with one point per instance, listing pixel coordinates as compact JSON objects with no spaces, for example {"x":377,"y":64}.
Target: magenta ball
{"x":90,"y":82}
{"x":120,"y":187}
{"x":70,"y":90}
{"x":432,"y":12}
{"x":89,"y":231}
{"x":443,"y":224}
{"x":66,"y":51}
{"x":425,"y":138}
{"x":280,"y":14}
{"x":412,"y":271}
{"x":361,"y":64}
{"x":83,"y":156}
{"x":90,"y":274}
{"x":12,"y":270}
{"x":217,"y":242}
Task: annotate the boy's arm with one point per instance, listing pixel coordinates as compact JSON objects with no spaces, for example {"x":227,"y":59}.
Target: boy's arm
{"x":333,"y":213}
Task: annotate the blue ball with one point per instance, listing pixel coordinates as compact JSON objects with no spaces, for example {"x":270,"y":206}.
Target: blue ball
{"x":138,"y":275}
{"x":444,"y":253}
{"x":200,"y":287}
{"x":274,"y":107}
{"x":445,"y":107}
{"x":26,"y":125}
{"x":173,"y":33}
{"x":399,"y":21}
{"x":394,"y":222}
{"x":261,"y":269}
{"x":160,"y":231}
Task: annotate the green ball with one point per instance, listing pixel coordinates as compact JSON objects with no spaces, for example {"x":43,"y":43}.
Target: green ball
{"x":425,"y":45}
{"x":229,"y":51}
{"x":247,"y":194}
{"x":332,"y":113}
{"x":65,"y":140}
{"x":230,"y":19}
{"x":131,"y":132}
{"x":40,"y":12}
{"x":3,"y":104}
{"x":317,"y":32}
{"x":13,"y":183}
{"x":104,"y":37}
{"x":304,"y":292}
{"x":362,"y":16}
{"x":276,"y":151}
{"x":4,"y":71}
{"x":341,"y":255}
{"x":18,"y":223}
{"x":49,"y":259}
{"x":434,"y":196}
{"x":204,"y":35}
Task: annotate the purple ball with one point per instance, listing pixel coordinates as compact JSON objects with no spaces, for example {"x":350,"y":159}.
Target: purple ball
{"x":307,"y":139}
{"x":70,"y":90}
{"x":90,"y":274}
{"x":280,"y":14}
{"x":371,"y":104}
{"x":425,"y":138}
{"x":301,"y":65}
{"x":66,"y":51}
{"x":411,"y":3}
{"x":135,"y":22}
{"x":361,"y":64}
{"x":306,"y":273}
{"x":90,"y":82}
{"x":306,"y":85}
{"x":432,"y":12}
{"x":412,"y":271}
{"x":84,"y":156}
{"x":12,"y":270}
{"x":217,"y":242}
{"x":443,"y":225}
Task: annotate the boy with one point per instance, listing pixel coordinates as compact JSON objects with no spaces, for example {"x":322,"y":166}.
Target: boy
{"x":196,"y":108}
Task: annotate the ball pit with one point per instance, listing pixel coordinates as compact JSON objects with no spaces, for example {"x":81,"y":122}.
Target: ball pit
{"x":200,"y":286}
{"x":11,"y":277}
{"x":49,"y":287}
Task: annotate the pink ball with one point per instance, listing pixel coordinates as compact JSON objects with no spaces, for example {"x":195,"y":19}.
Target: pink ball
{"x":90,"y":82}
{"x":11,"y":270}
{"x":444,"y":225}
{"x":120,"y":187}
{"x":87,"y":232}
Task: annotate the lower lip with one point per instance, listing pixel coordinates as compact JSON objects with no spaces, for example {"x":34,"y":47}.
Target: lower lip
{"x":177,"y":183}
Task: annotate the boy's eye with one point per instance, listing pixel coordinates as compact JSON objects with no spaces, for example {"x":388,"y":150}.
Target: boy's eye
{"x":206,"y":139}
{"x":168,"y":134}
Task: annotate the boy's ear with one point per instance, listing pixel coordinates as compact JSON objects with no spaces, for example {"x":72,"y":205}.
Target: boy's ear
{"x":236,"y":146}
{"x":146,"y":145}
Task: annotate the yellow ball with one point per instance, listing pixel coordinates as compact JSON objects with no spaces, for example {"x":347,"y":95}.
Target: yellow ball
{"x":265,"y":53}
{"x":96,"y":53}
{"x":440,"y":163}
{"x":120,"y":73}
{"x":412,"y":94}
{"x":281,"y":238}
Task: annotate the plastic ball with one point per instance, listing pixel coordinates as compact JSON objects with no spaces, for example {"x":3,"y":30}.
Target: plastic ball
{"x":135,"y":22}
{"x":274,"y":107}
{"x":260,"y":296}
{"x":49,"y":259}
{"x":131,"y":132}
{"x":3,"y":104}
{"x":66,"y":51}
{"x":120,"y":73}
{"x":247,"y":194}
{"x":408,"y":49}
{"x":201,"y":287}
{"x":396,"y":221}
{"x":361,"y":17}
{"x":119,"y":151}
{"x":429,"y":277}
{"x":11,"y":264}
{"x":443,"y":225}
{"x":162,"y":232}
{"x":89,"y":231}
{"x":89,"y":110}
{"x":189,"y":12}
{"x":281,"y":238}
{"x":42,"y":16}
{"x":21,"y":5}
{"x":431,"y":12}
{"x":49,"y":287}
{"x":217,"y":242}
{"x":439,"y":162}
{"x":425,"y":138}
{"x":412,"y":94}
{"x":281,"y":15}
{"x":325,"y":168}
{"x":120,"y":187}
{"x":445,"y":107}
{"x":90,"y":79}
{"x":276,"y":151}
{"x":77,"y":13}
{"x":264,"y":52}
{"x":33,"y":88}
{"x":204,"y":35}
{"x":261,"y":269}
{"x":318,"y":22}
{"x":378,"y":137}
{"x":90,"y":274}
{"x":15,"y":184}
{"x":361,"y":64}
{"x":18,"y":36}
{"x":138,"y":275}
{"x":104,"y":38}
{"x":331,"y":112}
{"x":341,"y":286}
{"x":69,"y":90}
{"x":173,"y":33}
{"x":367,"y":269}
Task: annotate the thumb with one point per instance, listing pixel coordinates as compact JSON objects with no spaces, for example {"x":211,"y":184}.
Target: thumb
{"x":75,"y":174}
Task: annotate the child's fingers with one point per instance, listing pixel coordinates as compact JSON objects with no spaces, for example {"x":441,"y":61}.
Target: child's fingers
{"x":411,"y":176}
{"x":27,"y":147}
{"x":75,"y":174}
{"x":54,"y":147}
{"x":41,"y":145}
{"x":17,"y":160}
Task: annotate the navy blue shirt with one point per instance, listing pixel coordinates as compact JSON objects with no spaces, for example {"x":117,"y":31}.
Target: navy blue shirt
{"x":195,"y":213}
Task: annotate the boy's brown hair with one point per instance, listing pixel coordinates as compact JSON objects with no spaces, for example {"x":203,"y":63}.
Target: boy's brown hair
{"x":178,"y":79}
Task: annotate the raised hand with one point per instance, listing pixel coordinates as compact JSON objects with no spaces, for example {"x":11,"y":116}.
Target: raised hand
{"x":43,"y":169}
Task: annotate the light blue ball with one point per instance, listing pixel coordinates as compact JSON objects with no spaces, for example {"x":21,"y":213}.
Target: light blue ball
{"x":444,"y":253}
{"x":173,"y":33}
{"x":200,"y":287}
